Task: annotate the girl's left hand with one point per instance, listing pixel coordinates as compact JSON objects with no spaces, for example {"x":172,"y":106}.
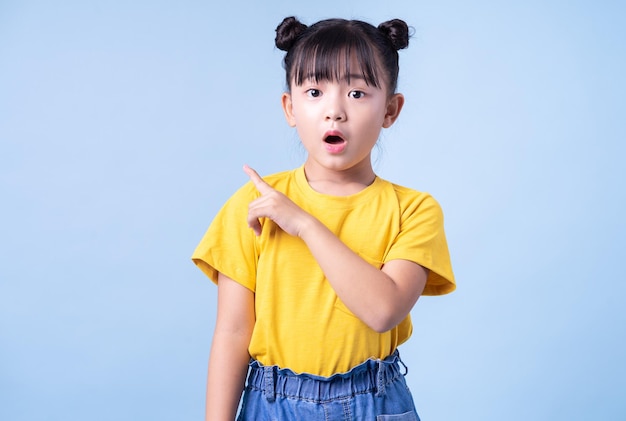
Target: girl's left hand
{"x":276,"y":206}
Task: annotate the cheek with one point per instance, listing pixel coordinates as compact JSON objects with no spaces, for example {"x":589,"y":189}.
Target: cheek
{"x":304,"y":114}
{"x":375,"y":117}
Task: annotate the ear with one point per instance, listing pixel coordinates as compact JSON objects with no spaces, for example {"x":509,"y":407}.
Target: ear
{"x":394,"y":106}
{"x":288,"y":109}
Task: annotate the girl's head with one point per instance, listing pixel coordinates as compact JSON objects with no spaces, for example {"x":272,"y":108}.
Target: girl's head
{"x":327,"y":49}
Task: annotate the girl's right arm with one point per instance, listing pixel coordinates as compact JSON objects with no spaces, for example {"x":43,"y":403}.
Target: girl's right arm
{"x":228,"y":363}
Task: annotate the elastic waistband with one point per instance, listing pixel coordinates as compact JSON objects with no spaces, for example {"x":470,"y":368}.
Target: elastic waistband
{"x":370,"y":376}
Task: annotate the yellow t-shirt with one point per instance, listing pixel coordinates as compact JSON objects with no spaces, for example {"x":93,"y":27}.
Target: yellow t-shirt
{"x":301,"y":324}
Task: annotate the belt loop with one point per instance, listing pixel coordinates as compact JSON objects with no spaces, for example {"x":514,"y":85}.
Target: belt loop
{"x":380,"y":379}
{"x":406,"y":369}
{"x":268,"y":383}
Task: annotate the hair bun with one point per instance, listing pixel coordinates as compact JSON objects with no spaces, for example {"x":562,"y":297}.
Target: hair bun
{"x":397,"y":31}
{"x":287,"y":33}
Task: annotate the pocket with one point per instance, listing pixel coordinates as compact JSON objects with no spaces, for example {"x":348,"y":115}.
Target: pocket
{"x":407,"y":416}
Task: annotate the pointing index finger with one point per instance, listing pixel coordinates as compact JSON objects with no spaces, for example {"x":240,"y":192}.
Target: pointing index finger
{"x":256,"y":179}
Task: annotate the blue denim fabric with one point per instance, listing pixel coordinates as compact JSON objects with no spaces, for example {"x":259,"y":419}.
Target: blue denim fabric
{"x":374,"y":390}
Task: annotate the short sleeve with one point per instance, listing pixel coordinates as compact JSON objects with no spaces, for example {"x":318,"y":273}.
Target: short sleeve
{"x":422,"y":240}
{"x":229,"y":245}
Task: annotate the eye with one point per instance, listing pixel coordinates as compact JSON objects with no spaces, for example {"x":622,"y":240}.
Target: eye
{"x":314,"y":93}
{"x":356,"y":94}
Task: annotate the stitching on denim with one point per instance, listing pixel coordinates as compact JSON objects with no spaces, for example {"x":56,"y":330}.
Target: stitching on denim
{"x":347,"y":412}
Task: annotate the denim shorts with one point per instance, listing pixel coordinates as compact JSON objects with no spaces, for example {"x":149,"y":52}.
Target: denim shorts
{"x":374,"y":390}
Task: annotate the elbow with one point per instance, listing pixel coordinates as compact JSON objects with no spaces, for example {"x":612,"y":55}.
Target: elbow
{"x":384,"y":321}
{"x":381,"y":328}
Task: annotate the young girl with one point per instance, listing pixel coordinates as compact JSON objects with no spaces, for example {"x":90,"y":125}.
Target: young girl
{"x":318,"y":268}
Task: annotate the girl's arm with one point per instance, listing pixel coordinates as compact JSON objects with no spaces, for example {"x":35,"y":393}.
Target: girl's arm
{"x":380,"y":298}
{"x":228,"y":363}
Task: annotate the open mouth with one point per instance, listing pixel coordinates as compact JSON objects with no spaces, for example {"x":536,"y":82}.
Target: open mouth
{"x":335,"y":143}
{"x":333,"y":140}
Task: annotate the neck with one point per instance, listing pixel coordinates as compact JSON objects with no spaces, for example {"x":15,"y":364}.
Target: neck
{"x":339,"y":182}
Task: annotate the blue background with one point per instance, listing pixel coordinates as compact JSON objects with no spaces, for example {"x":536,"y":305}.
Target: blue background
{"x":124,"y":127}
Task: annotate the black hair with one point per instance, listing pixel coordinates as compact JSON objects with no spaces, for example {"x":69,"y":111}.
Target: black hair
{"x":323,"y":50}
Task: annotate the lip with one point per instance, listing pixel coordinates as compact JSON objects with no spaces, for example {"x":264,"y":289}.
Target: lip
{"x":336,"y":146}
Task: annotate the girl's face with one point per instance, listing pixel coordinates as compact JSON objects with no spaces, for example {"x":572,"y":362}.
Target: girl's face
{"x":339,"y":123}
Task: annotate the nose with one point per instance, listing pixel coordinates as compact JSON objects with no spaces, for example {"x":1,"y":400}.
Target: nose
{"x":335,"y":112}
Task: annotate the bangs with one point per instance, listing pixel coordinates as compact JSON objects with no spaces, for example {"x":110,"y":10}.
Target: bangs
{"x":331,"y":56}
